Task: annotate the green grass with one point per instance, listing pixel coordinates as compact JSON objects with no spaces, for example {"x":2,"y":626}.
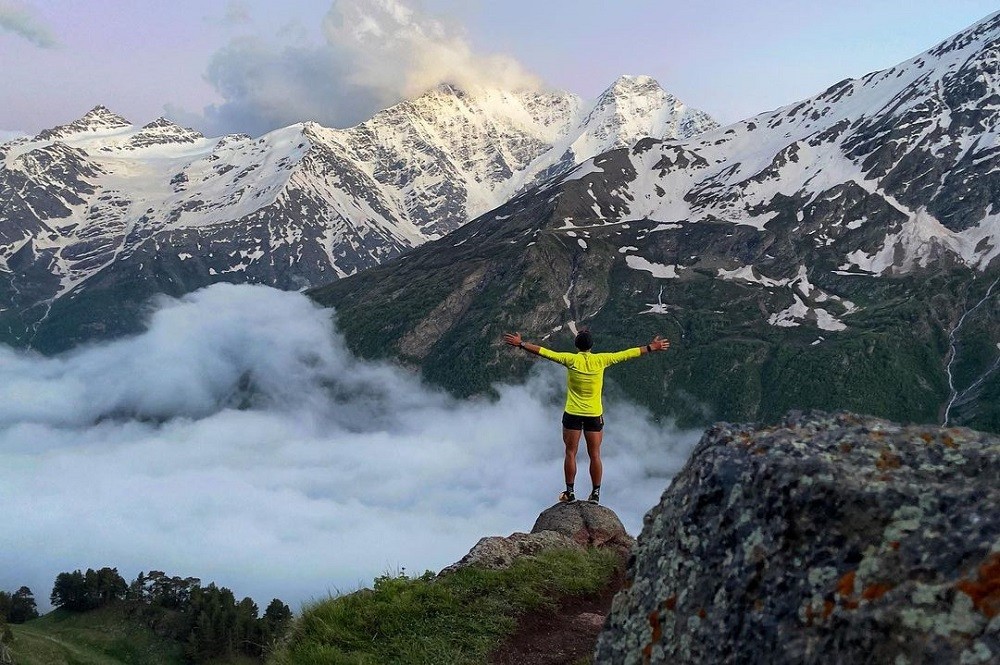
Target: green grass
{"x":459,"y":618}
{"x":100,"y":637}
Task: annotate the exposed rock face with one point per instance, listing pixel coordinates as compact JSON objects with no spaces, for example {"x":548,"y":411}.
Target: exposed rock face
{"x":833,"y":539}
{"x":573,"y":526}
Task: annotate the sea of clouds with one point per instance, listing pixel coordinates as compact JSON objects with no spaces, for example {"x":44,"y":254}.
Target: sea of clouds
{"x":237,"y":440}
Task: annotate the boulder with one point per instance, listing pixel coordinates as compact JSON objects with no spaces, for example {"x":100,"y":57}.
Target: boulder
{"x":565,"y":525}
{"x":825,"y":539}
{"x":588,"y":524}
{"x":497,"y":552}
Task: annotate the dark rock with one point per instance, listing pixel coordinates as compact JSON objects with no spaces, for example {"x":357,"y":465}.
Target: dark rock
{"x":825,"y":539}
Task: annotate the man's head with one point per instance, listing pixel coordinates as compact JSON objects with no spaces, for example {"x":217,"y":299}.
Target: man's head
{"x":584,"y":341}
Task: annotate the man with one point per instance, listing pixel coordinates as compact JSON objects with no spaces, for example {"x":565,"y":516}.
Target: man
{"x":584,"y":412}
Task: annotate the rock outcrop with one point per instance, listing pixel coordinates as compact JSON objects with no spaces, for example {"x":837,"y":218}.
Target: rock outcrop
{"x":585,"y":523}
{"x":825,"y":539}
{"x":564,"y":525}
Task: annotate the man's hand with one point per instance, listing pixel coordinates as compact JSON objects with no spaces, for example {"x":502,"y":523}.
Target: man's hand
{"x":514,"y":339}
{"x":659,"y":344}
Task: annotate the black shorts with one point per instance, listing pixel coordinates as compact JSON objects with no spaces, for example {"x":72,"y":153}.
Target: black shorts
{"x":585,"y":423}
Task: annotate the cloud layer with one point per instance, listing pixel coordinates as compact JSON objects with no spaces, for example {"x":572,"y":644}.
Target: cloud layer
{"x":238,"y":441}
{"x":375,"y":53}
{"x":19,"y":20}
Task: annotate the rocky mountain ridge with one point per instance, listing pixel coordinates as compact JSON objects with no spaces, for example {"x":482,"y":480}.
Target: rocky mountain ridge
{"x":840,"y":252}
{"x":89,"y":205}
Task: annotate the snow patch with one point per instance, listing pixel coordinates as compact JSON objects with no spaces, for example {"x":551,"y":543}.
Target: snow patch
{"x":749,"y":274}
{"x":790,"y":317}
{"x":657,"y":270}
{"x":827,"y":321}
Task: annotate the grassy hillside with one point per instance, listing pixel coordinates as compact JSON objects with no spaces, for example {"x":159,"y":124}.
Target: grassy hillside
{"x":101,"y":637}
{"x":105,"y":636}
{"x":458,"y":618}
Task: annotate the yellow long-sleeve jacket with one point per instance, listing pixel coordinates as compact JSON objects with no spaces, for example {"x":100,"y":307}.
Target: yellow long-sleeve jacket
{"x":586,"y":377}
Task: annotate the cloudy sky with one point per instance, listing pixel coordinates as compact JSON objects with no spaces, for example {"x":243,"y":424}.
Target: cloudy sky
{"x":237,"y":441}
{"x":252,"y":65}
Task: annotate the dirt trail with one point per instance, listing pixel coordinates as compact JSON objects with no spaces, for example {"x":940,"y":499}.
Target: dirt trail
{"x":565,"y":636}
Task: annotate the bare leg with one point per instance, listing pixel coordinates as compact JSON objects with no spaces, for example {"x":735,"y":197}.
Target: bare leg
{"x":594,"y":452}
{"x":571,"y":438}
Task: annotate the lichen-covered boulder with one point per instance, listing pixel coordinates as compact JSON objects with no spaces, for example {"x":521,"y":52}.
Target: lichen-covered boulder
{"x":588,"y":524}
{"x":826,"y":539}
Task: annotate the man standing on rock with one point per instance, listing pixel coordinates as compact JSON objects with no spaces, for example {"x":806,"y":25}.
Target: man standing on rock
{"x":584,"y":411}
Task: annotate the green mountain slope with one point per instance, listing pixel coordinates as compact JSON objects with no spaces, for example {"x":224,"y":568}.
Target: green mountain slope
{"x":101,"y":637}
{"x":443,"y":307}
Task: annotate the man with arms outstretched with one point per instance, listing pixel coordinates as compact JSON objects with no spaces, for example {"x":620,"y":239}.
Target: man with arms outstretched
{"x":584,"y":411}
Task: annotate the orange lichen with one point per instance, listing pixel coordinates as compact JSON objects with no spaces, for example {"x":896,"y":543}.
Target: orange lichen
{"x":654,"y":623}
{"x":927,"y":437}
{"x":875,"y":591}
{"x":948,"y":441}
{"x":647,"y":654}
{"x":887,"y":459}
{"x":846,"y":447}
{"x":894,"y":544}
{"x":702,"y":613}
{"x":845,"y":587}
{"x":985,"y":592}
{"x":670,"y":603}
{"x":827,"y":608}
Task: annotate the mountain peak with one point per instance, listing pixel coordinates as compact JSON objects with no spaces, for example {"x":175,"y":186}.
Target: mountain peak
{"x":629,"y":87}
{"x":629,"y":84}
{"x":163,"y":131}
{"x":159,"y":123}
{"x":102,"y":116}
{"x":99,"y":118}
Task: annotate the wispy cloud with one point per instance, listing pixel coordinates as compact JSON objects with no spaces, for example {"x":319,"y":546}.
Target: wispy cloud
{"x":20,"y":20}
{"x":237,"y":440}
{"x":237,"y":13}
{"x":9,"y":135}
{"x":374,"y":53}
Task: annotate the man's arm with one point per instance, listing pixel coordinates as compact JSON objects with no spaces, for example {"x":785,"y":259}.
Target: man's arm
{"x":657,"y":344}
{"x":514,"y":339}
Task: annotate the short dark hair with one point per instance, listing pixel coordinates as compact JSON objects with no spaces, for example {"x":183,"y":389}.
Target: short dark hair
{"x":584,"y":341}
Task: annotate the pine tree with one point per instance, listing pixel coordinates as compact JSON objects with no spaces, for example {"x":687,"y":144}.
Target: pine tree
{"x":22,"y":606}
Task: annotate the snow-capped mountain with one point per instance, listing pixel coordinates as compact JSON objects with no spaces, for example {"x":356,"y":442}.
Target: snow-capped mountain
{"x":840,"y":252}
{"x":883,"y":175}
{"x":100,"y":201}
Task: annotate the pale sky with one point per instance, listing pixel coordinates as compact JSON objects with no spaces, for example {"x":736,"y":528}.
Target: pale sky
{"x":252,"y":65}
